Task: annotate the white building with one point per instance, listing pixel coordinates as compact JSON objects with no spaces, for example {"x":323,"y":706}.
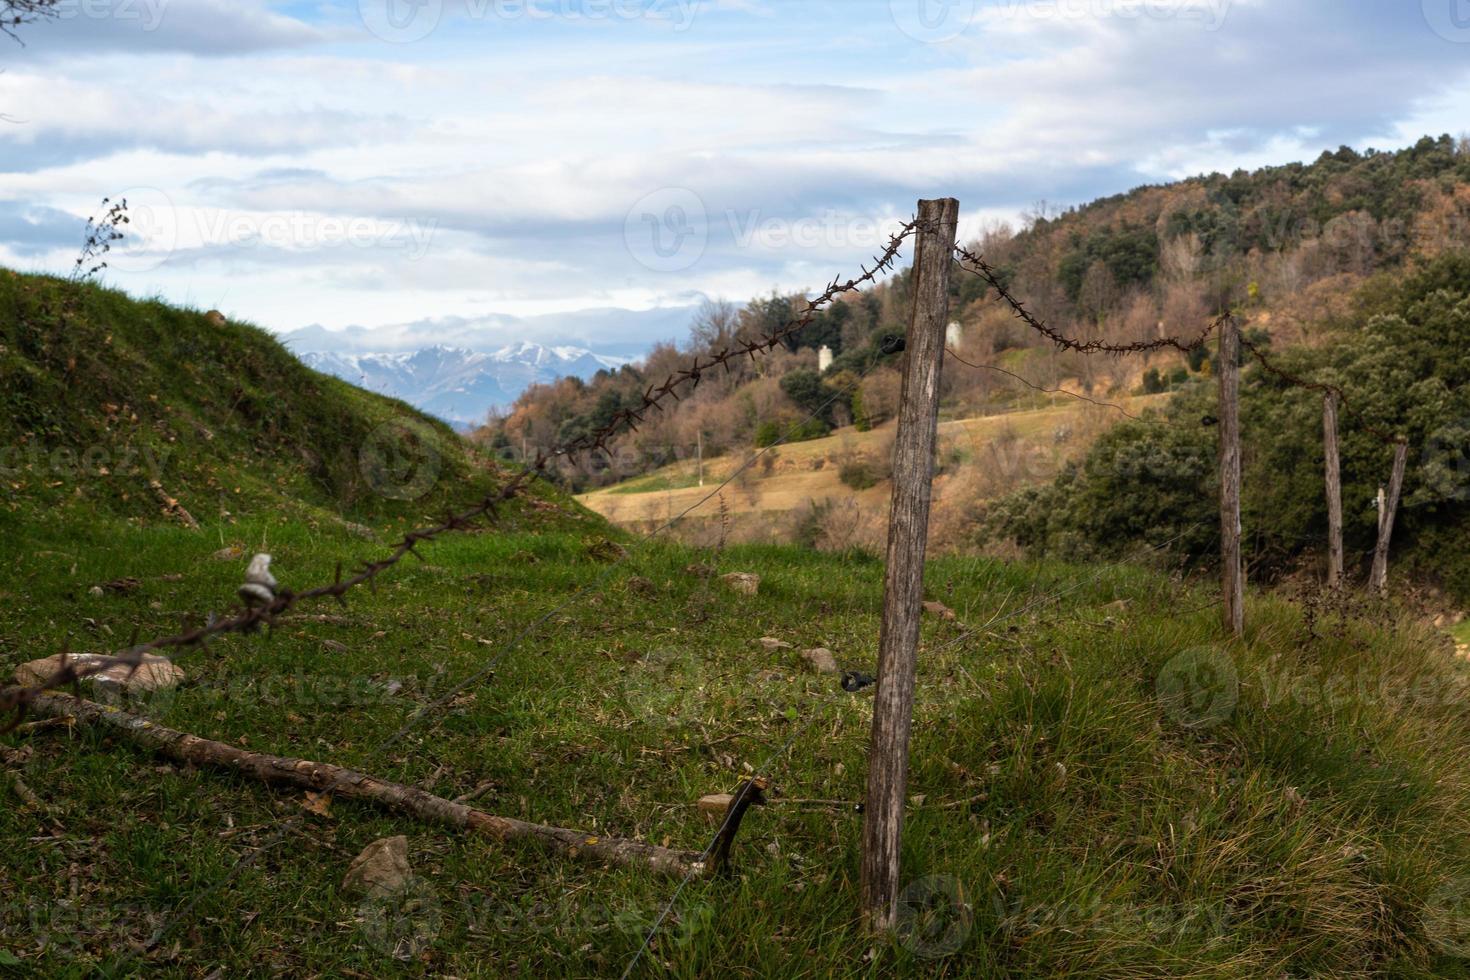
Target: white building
{"x":824,"y":358}
{"x":953,"y":334}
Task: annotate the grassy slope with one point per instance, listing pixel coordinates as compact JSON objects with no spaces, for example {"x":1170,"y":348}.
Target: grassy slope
{"x":807,"y":471}
{"x":1312,"y":831}
{"x":1321,"y":827}
{"x":103,"y":394}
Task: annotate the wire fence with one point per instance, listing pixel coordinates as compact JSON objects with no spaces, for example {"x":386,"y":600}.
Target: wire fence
{"x":264,"y":610}
{"x":279,"y":601}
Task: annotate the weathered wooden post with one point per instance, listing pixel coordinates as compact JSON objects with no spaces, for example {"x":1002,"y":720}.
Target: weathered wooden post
{"x":1388,"y":506}
{"x":1336,"y":568}
{"x":908,"y":532}
{"x":1230,"y":551}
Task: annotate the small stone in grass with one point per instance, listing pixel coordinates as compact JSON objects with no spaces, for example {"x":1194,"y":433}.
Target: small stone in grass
{"x":772,"y":644}
{"x":939,"y":609}
{"x":821,"y":660}
{"x":743,"y":582}
{"x":381,"y":869}
{"x":154,"y":673}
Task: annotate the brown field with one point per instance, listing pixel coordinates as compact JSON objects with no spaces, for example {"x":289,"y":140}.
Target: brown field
{"x":980,"y":458}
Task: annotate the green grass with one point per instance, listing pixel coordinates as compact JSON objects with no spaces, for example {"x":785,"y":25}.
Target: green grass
{"x":104,"y":396}
{"x":1461,"y":633}
{"x":1317,"y":829}
{"x":1108,"y":786}
{"x":677,"y":479}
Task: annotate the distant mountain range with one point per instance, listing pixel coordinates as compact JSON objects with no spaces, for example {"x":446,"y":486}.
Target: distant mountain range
{"x":460,"y":368}
{"x":460,"y":385}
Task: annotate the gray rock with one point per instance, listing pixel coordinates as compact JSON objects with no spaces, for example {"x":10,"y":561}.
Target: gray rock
{"x":821,"y":660}
{"x":743,"y":582}
{"x":154,"y":673}
{"x":381,"y":869}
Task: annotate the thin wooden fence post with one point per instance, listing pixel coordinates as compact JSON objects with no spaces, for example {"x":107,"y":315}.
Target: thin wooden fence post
{"x":1388,"y":507}
{"x":908,"y":532}
{"x":1336,"y":567}
{"x":1230,"y":551}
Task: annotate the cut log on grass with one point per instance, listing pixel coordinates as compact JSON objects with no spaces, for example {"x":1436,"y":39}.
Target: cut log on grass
{"x":322,"y":777}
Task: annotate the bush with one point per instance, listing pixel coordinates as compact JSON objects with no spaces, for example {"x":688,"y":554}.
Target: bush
{"x":773,"y":431}
{"x":859,"y":474}
{"x":1407,"y":371}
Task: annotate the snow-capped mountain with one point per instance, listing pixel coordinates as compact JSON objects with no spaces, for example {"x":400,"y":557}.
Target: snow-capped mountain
{"x":459,"y":385}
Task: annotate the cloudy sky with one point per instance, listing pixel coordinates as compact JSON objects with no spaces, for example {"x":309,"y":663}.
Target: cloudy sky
{"x":377,"y":162}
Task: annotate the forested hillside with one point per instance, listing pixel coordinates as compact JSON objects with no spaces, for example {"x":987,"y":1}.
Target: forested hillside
{"x":1287,"y":245}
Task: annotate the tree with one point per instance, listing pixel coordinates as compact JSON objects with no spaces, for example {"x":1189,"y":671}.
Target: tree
{"x":16,"y":13}
{"x":715,"y":326}
{"x":810,"y":393}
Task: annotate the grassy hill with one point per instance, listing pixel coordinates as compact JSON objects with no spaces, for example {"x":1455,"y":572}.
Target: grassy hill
{"x":104,"y":396}
{"x":1108,"y":786}
{"x":834,"y":491}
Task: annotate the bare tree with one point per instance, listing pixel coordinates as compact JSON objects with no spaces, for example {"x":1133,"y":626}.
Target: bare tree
{"x":16,"y":13}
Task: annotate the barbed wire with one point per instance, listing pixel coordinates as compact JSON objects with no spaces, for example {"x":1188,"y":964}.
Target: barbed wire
{"x":489,"y":669}
{"x":1328,"y":389}
{"x":653,"y":398}
{"x":15,"y":700}
{"x":70,"y":672}
{"x":984,"y":270}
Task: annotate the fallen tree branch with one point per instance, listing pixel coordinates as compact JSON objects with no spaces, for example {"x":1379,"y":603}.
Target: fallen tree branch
{"x":26,"y":794}
{"x":323,"y":777}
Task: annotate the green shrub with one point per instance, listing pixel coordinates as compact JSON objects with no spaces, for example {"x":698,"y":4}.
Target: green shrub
{"x":1407,"y":370}
{"x":859,"y":474}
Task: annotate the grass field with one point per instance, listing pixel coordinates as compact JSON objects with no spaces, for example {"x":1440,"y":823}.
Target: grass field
{"x":988,"y":455}
{"x":1309,"y":818}
{"x":1102,"y":785}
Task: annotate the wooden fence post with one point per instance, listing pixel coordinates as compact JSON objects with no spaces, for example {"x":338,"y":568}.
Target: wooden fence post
{"x":1387,"y":510}
{"x":1336,"y":567}
{"x":1230,"y":552}
{"x":908,"y":532}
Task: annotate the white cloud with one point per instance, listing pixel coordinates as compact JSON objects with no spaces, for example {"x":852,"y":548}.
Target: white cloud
{"x":523,"y":147}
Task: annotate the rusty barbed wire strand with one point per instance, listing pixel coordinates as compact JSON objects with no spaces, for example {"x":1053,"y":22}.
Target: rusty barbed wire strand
{"x":71,"y":672}
{"x":1343,"y":402}
{"x":14,"y":700}
{"x":654,"y":396}
{"x":984,"y":270}
{"x":488,"y":669}
{"x":979,"y":267}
